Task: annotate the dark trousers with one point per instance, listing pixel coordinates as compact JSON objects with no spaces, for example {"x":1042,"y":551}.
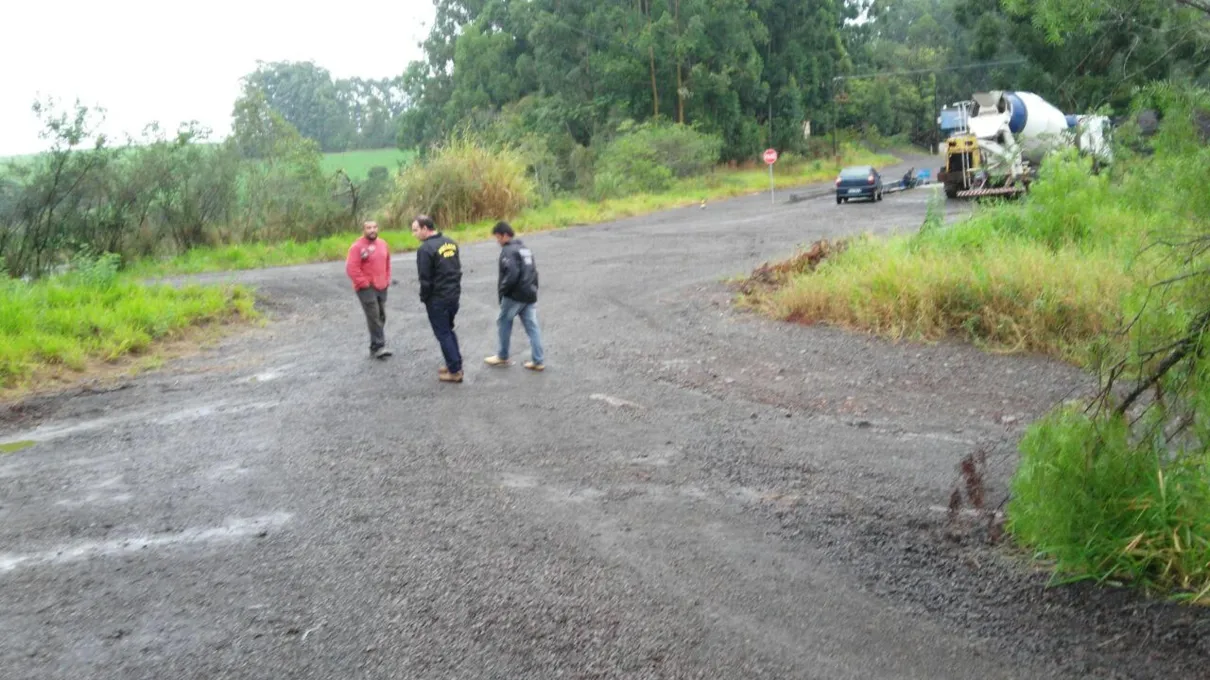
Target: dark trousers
{"x":441,"y":318}
{"x":374,"y":304}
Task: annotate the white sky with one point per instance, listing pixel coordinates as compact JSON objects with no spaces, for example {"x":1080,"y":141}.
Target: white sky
{"x":146,"y":61}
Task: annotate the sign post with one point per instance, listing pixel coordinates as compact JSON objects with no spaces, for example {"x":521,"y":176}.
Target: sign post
{"x":770,"y":159}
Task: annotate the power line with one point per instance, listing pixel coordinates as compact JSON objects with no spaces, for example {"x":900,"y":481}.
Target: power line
{"x":1009,"y":62}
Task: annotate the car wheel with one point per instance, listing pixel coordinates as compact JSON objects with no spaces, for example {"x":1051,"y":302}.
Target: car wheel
{"x":839,"y":200}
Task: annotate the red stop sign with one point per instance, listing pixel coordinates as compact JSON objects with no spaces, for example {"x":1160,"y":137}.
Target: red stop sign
{"x":770,"y":156}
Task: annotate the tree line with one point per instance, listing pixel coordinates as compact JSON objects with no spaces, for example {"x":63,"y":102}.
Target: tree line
{"x":755,"y":72}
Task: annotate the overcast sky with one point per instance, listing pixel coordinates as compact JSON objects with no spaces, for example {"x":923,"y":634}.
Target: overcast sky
{"x":169,"y":62}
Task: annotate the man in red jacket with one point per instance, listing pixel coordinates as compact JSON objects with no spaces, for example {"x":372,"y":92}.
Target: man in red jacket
{"x":369,"y":268}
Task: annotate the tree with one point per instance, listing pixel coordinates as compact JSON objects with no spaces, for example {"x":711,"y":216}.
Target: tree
{"x":1086,"y":54}
{"x":306,"y":97}
{"x":50,"y":204}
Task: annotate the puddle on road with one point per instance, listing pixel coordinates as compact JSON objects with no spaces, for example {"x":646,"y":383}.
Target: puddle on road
{"x":13,"y":447}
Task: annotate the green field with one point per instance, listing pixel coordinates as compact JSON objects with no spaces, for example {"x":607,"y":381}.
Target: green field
{"x":357,"y":164}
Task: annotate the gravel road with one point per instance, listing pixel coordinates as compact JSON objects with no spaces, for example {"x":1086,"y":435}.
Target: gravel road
{"x":688,"y":491}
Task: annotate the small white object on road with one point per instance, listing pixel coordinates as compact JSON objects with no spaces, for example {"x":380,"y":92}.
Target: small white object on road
{"x":614,"y":401}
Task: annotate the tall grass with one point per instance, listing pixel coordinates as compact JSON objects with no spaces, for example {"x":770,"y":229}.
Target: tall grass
{"x":463,"y":181}
{"x":1052,"y":273}
{"x":1104,"y":506}
{"x":96,"y":314}
{"x":1009,"y":295}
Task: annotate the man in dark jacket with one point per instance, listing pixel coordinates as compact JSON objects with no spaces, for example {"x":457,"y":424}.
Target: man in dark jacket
{"x":518,"y":293}
{"x":440,"y":271}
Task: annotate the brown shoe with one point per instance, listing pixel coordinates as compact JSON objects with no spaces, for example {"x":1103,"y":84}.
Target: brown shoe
{"x":534,"y":367}
{"x":443,"y":371}
{"x":495,"y":360}
{"x":450,"y":377}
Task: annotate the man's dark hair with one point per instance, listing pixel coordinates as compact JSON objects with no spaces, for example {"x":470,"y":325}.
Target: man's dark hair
{"x":503,"y":228}
{"x":426,"y":222}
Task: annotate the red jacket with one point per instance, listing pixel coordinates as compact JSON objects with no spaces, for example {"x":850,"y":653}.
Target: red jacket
{"x":369,"y":264}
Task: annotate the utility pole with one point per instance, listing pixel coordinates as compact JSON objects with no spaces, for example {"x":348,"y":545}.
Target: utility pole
{"x":936,"y":112}
{"x":835,"y":115}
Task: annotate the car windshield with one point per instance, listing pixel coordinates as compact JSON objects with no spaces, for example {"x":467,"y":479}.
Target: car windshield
{"x":855,"y":173}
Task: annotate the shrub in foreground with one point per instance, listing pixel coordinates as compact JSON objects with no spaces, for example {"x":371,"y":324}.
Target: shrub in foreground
{"x":1107,"y":506}
{"x":647,"y":158}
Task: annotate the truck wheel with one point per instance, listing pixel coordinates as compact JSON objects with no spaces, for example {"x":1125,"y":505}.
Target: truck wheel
{"x":838,"y":200}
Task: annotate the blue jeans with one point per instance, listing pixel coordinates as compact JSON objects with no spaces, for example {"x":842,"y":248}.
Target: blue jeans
{"x":441,"y":318}
{"x":510,"y":308}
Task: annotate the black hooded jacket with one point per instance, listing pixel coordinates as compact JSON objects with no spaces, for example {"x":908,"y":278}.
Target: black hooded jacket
{"x":518,"y":273}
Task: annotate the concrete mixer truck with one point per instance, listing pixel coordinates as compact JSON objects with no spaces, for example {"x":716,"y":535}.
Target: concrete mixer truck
{"x":1004,"y":138}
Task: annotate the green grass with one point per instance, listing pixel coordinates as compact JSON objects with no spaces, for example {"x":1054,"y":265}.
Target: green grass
{"x":13,"y":447}
{"x":357,"y":164}
{"x":1053,"y":273}
{"x":1102,"y":506}
{"x":67,"y":322}
{"x":1011,"y":295}
{"x":560,"y":213}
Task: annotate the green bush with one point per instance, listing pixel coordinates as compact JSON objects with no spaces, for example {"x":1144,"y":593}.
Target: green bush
{"x":646,"y":158}
{"x":1104,"y":505}
{"x":463,"y":181}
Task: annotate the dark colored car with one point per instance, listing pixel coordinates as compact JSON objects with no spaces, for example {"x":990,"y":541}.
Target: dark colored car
{"x":859,"y":181}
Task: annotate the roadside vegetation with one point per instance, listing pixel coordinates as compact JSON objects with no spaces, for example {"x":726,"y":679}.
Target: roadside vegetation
{"x":470,"y":187}
{"x":1109,"y":271}
{"x":91,"y":314}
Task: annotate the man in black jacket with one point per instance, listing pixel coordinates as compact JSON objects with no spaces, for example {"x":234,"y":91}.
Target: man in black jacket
{"x":440,"y":271}
{"x":518,"y":293}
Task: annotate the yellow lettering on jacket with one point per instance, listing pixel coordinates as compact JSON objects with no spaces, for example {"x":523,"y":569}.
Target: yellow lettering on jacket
{"x":448,"y":250}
